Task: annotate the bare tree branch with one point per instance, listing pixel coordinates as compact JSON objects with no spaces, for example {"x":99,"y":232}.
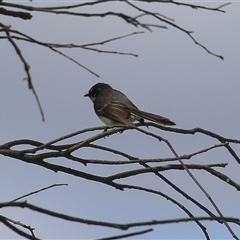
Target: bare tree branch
{"x":6,"y":222}
{"x":127,"y":235}
{"x":37,"y":191}
{"x":38,"y":159}
{"x":26,"y":66}
{"x":18,"y":14}
{"x":115,"y":225}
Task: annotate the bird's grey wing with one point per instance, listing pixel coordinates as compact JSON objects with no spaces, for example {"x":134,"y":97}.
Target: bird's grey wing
{"x":116,"y":95}
{"x":117,"y":112}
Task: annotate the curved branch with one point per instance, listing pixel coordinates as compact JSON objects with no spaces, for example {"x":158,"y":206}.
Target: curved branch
{"x":115,"y":225}
{"x":126,"y":235}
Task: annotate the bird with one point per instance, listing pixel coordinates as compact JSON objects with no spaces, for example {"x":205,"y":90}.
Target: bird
{"x":115,"y":109}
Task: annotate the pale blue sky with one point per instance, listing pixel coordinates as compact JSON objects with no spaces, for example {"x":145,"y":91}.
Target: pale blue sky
{"x":172,"y":77}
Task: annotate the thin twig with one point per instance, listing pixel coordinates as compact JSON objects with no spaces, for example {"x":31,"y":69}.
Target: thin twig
{"x":26,"y":67}
{"x":6,"y":221}
{"x":37,"y":191}
{"x":127,"y":235}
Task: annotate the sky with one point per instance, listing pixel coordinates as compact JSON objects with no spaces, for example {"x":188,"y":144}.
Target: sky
{"x":172,"y":77}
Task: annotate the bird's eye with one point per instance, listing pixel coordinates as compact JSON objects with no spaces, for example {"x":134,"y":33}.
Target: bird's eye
{"x":94,"y":91}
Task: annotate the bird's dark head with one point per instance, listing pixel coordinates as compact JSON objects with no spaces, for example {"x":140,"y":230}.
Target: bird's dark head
{"x":96,"y":89}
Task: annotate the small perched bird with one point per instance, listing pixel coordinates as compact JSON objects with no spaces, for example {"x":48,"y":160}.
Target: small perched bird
{"x":115,"y":109}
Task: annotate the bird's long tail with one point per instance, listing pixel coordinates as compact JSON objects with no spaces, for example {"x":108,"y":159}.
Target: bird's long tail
{"x":152,"y":117}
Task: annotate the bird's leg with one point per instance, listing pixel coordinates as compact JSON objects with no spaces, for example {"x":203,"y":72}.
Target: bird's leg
{"x":105,"y":130}
{"x":141,"y":120}
{"x":121,"y":130}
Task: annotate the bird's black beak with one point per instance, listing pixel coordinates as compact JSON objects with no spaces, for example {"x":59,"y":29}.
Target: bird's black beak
{"x":86,"y":95}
